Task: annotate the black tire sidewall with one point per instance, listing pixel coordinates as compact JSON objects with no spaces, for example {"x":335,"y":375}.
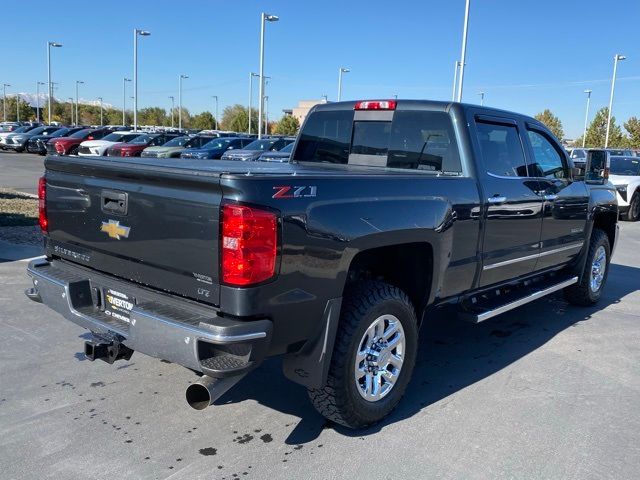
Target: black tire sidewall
{"x":635,"y":202}
{"x":370,"y":412}
{"x":601,"y":241}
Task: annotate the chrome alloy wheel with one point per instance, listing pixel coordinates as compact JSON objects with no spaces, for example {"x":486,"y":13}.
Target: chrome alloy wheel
{"x":379,"y":358}
{"x":598,"y":269}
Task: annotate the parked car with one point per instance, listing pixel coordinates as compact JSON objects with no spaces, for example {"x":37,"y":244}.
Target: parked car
{"x":257,"y":148}
{"x":9,"y":126}
{"x":38,"y":143}
{"x":620,"y":152}
{"x":18,"y":141}
{"x":5,"y":135}
{"x":135,"y":147}
{"x":94,"y":148}
{"x":625,"y":175}
{"x":331,"y":261}
{"x":173,"y":148}
{"x":579,"y":156}
{"x":70,"y":145}
{"x":216,"y":148}
{"x":281,"y":155}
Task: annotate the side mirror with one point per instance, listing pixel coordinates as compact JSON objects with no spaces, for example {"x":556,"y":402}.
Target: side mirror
{"x":229,"y":148}
{"x":597,"y":167}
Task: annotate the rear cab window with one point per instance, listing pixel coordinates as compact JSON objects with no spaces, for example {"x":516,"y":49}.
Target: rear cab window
{"x":402,"y":139}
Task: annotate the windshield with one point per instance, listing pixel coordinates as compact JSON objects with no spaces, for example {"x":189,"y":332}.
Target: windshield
{"x":578,"y":154}
{"x":197,"y":142}
{"x":21,"y":130}
{"x":114,"y":137}
{"x":288,"y":148}
{"x":619,"y":153}
{"x":61,"y":132}
{"x":81,"y":133}
{"x":217,"y":143}
{"x":141,"y":139}
{"x":260,"y":144}
{"x":39,"y":130}
{"x":177,"y":142}
{"x":625,"y":166}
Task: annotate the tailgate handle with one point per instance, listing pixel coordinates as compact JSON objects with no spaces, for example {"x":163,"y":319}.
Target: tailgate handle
{"x":114,"y":202}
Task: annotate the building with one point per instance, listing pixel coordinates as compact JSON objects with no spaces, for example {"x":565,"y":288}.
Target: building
{"x":300,"y":112}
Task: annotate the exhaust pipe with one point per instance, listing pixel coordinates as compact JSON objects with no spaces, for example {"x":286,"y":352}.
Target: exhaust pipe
{"x":208,"y":389}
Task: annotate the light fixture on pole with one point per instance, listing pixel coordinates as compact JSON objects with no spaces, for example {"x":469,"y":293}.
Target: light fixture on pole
{"x":4,"y":101}
{"x":142,"y":33}
{"x":17,"y":107}
{"x":216,"y":118}
{"x":78,"y":82}
{"x":173,"y":107}
{"x":124,"y":99}
{"x":182,"y":77}
{"x":50,"y":89}
{"x":616,"y":59}
{"x":481,"y":98}
{"x":38,"y":100}
{"x":455,"y":80}
{"x":101,"y":122}
{"x":463,"y":54}
{"x":264,"y":17}
{"x":586,"y":118}
{"x":340,"y":72}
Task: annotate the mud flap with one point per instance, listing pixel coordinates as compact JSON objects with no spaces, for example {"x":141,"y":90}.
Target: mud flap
{"x":309,"y":366}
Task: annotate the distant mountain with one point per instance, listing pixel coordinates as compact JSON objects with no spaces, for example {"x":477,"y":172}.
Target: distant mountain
{"x":32,"y":100}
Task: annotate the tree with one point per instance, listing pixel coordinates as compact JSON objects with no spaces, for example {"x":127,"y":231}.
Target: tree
{"x":235,"y":117}
{"x":155,"y":116}
{"x":552,"y":122}
{"x":597,"y":130}
{"x":632,"y":126}
{"x":288,"y":125}
{"x":203,"y":121}
{"x":26,"y":112}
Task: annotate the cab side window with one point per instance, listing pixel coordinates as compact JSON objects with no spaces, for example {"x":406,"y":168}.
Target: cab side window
{"x":546,"y":157}
{"x":501,"y":149}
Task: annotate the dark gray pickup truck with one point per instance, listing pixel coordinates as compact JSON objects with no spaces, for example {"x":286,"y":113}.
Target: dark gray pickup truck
{"x":386,"y":211}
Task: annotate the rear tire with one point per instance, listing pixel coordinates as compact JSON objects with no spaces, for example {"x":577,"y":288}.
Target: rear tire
{"x":596,"y":270}
{"x":74,"y":150}
{"x":633,"y":214}
{"x":373,"y":357}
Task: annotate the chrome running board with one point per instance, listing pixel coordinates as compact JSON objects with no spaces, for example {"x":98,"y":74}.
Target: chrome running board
{"x":481,"y":316}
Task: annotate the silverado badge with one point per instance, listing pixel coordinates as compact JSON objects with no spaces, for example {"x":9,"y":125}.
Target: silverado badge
{"x":114,"y":229}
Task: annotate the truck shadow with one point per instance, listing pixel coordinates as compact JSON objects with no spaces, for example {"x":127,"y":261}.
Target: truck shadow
{"x":452,"y":356}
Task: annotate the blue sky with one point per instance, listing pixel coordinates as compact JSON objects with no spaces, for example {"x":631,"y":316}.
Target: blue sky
{"x":525,"y":56}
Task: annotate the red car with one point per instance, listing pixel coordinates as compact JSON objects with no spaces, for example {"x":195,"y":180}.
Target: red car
{"x":135,"y":147}
{"x":69,"y":145}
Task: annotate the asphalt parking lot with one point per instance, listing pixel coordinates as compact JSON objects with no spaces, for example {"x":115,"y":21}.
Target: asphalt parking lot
{"x":545,"y":391}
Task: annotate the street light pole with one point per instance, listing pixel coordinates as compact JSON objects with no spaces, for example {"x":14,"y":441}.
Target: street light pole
{"x":124,"y":99}
{"x":251,"y":75}
{"x":38,"y":99}
{"x":264,"y":17}
{"x":173,"y":106}
{"x":463,"y":54}
{"x":616,"y":58}
{"x":17,"y":107}
{"x":4,"y":101}
{"x":586,"y":118}
{"x":50,"y":89}
{"x":101,"y":122}
{"x":180,"y":101}
{"x":266,"y":114}
{"x":142,"y":33}
{"x":216,"y":118}
{"x":341,"y":71}
{"x":71,"y":109}
{"x":77,"y":117}
{"x":481,"y":98}
{"x":455,"y":80}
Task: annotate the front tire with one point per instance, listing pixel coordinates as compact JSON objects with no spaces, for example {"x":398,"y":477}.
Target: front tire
{"x":596,"y":270}
{"x":633,"y":214}
{"x":373,"y":357}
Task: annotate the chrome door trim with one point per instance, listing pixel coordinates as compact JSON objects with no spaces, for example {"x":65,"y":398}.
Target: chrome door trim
{"x":532,"y":257}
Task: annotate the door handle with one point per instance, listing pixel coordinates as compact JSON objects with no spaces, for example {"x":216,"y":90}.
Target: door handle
{"x":496,"y":199}
{"x":550,"y":197}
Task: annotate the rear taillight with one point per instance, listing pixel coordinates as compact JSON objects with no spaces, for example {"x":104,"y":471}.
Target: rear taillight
{"x":42,"y":205}
{"x":249,"y":245}
{"x":59,"y":148}
{"x":375,"y":105}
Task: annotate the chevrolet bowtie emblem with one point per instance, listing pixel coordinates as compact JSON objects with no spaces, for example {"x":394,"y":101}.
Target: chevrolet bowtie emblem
{"x":114,"y":229}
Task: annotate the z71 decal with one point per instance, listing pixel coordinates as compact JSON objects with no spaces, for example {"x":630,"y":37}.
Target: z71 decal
{"x":295,"y":192}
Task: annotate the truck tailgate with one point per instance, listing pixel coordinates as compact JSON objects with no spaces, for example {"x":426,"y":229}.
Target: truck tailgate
{"x":153,"y":224}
